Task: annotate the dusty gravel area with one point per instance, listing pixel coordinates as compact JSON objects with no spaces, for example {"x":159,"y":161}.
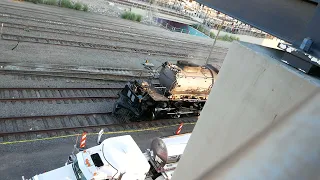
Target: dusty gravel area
{"x":66,"y":24}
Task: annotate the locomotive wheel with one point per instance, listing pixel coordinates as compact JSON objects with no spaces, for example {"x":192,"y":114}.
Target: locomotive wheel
{"x":149,"y":116}
{"x":153,"y":116}
{"x":124,"y":115}
{"x":115,"y":108}
{"x":175,"y":116}
{"x":135,"y":118}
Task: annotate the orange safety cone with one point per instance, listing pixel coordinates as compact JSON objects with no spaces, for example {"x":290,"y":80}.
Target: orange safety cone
{"x":83,"y":140}
{"x":179,"y":129}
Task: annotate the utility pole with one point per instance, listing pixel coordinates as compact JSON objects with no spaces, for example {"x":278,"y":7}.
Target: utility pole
{"x":151,"y":11}
{"x":204,"y":19}
{"x":214,"y":42}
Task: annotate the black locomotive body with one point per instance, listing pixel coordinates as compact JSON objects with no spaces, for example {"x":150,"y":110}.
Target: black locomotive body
{"x":182,"y":90}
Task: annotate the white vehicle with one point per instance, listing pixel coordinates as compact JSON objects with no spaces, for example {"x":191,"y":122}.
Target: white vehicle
{"x":120,"y":158}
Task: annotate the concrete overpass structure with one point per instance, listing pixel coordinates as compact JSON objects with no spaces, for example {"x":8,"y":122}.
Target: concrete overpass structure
{"x":261,"y":122}
{"x":166,"y":16}
{"x":144,"y":9}
{"x":176,"y":19}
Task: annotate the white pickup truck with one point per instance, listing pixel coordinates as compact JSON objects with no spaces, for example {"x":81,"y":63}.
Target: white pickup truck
{"x":120,"y":158}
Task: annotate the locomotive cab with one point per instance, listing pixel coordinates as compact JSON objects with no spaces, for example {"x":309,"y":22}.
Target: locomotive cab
{"x":139,"y":101}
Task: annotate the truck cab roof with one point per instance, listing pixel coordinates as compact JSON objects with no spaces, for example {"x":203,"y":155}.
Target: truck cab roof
{"x":123,"y":153}
{"x":114,"y":156}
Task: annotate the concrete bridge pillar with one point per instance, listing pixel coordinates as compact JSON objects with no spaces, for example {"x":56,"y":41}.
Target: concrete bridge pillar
{"x":262,"y":121}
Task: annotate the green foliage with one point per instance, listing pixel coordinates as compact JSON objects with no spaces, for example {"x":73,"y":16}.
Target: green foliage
{"x":34,"y":1}
{"x":131,"y":16}
{"x":63,"y":3}
{"x":51,"y":2}
{"x":152,"y":1}
{"x":212,"y":35}
{"x":85,"y":8}
{"x":235,"y":38}
{"x":67,"y":4}
{"x":200,"y":28}
{"x":77,"y":6}
{"x":228,"y":38}
{"x":139,"y":17}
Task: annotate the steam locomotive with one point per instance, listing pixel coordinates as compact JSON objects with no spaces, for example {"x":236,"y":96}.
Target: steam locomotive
{"x":182,"y":89}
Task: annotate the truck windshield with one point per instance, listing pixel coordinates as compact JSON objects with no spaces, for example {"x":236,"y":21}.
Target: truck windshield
{"x":77,"y":171}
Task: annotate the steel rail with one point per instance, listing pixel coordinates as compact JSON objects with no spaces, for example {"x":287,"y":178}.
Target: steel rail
{"x":75,"y":18}
{"x":102,"y":77}
{"x":54,"y":88}
{"x":52,"y":97}
{"x":58,"y":98}
{"x":51,"y":116}
{"x":54,"y":22}
{"x":79,"y":44}
{"x":108,"y":37}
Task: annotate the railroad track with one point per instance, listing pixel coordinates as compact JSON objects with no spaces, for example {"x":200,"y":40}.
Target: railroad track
{"x":51,"y":123}
{"x":16,"y":126}
{"x":80,"y":69}
{"x":60,"y":42}
{"x":109,"y":37}
{"x":56,"y":14}
{"x":178,"y":43}
{"x":53,"y":94}
{"x":103,"y":29}
{"x":111,"y":22}
{"x":43,"y":126}
{"x":72,"y":18}
{"x":73,"y":76}
{"x":76,"y":72}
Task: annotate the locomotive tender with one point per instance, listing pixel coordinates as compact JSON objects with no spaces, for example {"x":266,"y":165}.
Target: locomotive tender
{"x":183,"y":89}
